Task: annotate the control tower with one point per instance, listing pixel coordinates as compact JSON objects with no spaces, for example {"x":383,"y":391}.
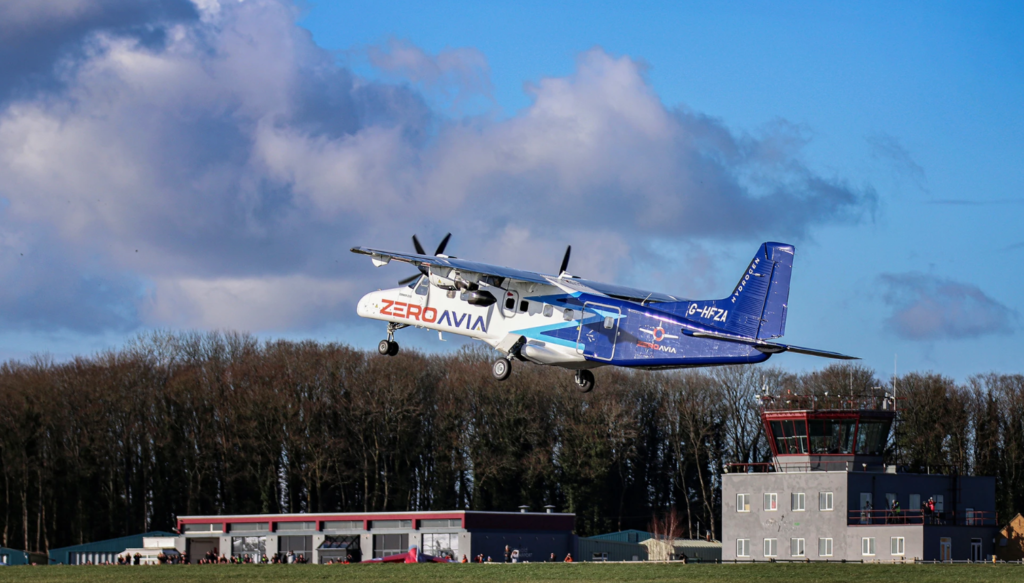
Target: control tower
{"x":829,"y":492}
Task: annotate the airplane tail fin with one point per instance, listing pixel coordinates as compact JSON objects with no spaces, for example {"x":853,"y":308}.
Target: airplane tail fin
{"x":756,"y":308}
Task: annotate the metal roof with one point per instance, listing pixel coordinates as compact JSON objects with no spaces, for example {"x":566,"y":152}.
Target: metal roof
{"x":112,"y":545}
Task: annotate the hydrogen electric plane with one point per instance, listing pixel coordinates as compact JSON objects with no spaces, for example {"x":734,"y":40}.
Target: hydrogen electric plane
{"x":563,"y":320}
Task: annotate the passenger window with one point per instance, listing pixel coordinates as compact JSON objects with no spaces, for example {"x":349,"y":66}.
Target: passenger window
{"x":567,"y":315}
{"x":524,"y":306}
{"x":609,"y":322}
{"x":510,"y":304}
{"x":548,"y":310}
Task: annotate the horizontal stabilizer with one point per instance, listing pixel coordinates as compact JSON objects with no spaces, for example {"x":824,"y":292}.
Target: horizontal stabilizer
{"x":768,"y":347}
{"x":812,"y":352}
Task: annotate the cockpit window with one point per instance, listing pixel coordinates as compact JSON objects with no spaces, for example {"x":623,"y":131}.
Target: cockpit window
{"x":424,"y":285}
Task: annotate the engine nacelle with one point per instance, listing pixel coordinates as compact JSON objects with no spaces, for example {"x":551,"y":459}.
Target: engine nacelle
{"x":480,"y":298}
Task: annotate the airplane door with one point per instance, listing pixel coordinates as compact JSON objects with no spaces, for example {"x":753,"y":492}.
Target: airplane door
{"x":510,"y":303}
{"x":599,"y":329}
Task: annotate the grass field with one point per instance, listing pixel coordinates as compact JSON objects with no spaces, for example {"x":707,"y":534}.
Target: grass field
{"x":631,"y":573}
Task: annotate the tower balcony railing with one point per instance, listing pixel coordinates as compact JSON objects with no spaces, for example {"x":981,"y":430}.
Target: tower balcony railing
{"x":789,"y":402}
{"x":805,"y":466}
{"x":921,"y":517}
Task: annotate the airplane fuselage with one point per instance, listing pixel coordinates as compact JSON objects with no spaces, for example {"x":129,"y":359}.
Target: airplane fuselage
{"x":545,"y":324}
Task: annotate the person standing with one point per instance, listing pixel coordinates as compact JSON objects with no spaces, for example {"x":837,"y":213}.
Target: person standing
{"x":508,"y":555}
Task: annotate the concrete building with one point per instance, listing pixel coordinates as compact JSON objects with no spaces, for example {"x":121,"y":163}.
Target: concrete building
{"x":320,"y":538}
{"x":828,"y":495}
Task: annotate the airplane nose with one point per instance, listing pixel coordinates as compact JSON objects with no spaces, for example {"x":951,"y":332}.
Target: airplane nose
{"x":363,"y":306}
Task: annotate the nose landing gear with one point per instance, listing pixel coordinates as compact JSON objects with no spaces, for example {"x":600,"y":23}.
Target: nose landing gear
{"x":584,"y":381}
{"x":389,"y":347}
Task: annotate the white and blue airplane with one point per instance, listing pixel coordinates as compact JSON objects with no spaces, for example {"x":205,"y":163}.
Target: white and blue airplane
{"x":578,"y":324}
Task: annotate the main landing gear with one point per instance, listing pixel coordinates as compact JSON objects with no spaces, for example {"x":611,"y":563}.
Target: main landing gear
{"x":389,"y":347}
{"x":501,"y":368}
{"x":584,"y":381}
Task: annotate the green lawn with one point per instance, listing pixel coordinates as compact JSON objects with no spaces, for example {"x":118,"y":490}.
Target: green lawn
{"x":631,"y":573}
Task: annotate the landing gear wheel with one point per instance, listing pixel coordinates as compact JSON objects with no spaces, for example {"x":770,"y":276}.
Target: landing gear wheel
{"x":584,"y":381}
{"x":501,"y":368}
{"x":387,"y":348}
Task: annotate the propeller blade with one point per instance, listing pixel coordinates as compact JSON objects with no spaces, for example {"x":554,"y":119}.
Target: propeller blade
{"x":417,"y":246}
{"x":565,"y":260}
{"x":444,"y":243}
{"x":409,"y":279}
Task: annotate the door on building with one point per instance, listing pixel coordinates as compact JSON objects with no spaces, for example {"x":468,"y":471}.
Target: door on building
{"x":945,"y":549}
{"x":385,"y":545}
{"x":199,"y":547}
{"x":866,"y":506}
{"x":976,"y":550}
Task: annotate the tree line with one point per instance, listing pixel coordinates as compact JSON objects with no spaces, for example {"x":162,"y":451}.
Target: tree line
{"x":221,"y":423}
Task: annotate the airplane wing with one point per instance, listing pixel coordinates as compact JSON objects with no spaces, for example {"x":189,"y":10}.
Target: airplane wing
{"x":577,"y":284}
{"x":382,"y":257}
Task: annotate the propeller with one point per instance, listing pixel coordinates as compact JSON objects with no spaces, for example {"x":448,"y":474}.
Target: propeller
{"x":565,"y":261}
{"x":419,"y":251}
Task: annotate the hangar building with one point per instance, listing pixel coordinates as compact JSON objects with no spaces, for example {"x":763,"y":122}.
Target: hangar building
{"x":319,"y":538}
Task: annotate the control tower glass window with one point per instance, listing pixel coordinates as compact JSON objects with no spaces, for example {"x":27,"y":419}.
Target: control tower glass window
{"x":790,"y":436}
{"x":832,"y":436}
{"x":871,"y":436}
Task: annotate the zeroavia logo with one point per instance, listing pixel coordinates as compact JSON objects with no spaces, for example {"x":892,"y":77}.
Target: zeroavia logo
{"x":455,"y":321}
{"x":658,"y":347}
{"x":429,"y":316}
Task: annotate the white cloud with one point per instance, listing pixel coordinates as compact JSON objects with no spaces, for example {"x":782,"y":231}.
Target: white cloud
{"x":218,"y":177}
{"x":926,"y":307}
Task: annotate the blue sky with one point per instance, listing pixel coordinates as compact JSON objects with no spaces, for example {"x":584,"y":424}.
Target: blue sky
{"x":173,"y":165}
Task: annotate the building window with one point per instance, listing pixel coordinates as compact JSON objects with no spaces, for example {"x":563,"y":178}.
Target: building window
{"x":896,"y":545}
{"x":798,"y":501}
{"x":771,"y":547}
{"x":248,"y":526}
{"x":204,"y":527}
{"x":743,"y":547}
{"x":796,"y":547}
{"x":391,"y":524}
{"x":915,"y":502}
{"x":771,"y":502}
{"x":343,"y":525}
{"x":825,"y":501}
{"x":742,"y":502}
{"x":867,"y":546}
{"x":938,"y":503}
{"x":824,"y":547}
{"x":385,"y":545}
{"x":441,"y":523}
{"x":292,"y":526}
{"x":441,"y":545}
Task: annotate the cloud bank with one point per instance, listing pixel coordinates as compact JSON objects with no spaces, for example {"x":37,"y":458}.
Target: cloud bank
{"x":208,"y":165}
{"x":927,"y":308}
